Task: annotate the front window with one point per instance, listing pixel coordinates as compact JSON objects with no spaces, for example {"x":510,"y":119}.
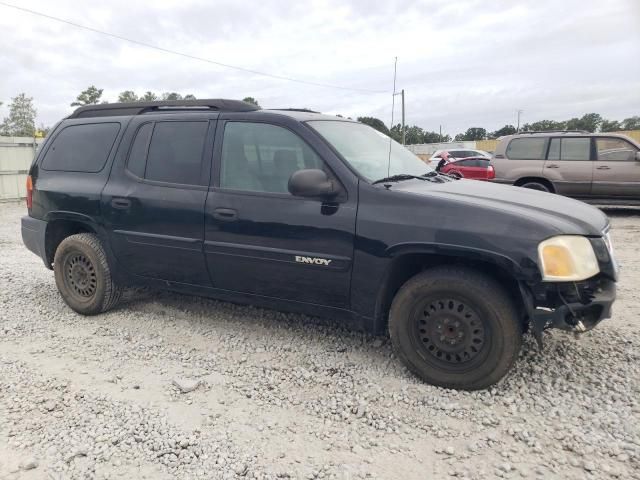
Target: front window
{"x":373,"y":154}
{"x":615,"y":149}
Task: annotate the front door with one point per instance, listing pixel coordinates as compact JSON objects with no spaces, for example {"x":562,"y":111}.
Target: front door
{"x":616,"y":171}
{"x":154,"y":200}
{"x":261,"y":240}
{"x":569,"y":165}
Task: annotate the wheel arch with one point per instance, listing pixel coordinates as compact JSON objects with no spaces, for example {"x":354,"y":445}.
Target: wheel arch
{"x":61,"y":225}
{"x":409,"y":260}
{"x":521,"y":181}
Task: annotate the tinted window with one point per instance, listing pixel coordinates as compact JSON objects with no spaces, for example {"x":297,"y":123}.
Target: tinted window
{"x":81,"y":148}
{"x":261,"y":157}
{"x":526,"y":149}
{"x":175,"y":152}
{"x":615,"y":149}
{"x":570,"y":149}
{"x":138,"y":155}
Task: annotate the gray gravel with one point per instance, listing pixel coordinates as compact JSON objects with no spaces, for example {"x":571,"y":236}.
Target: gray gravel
{"x":171,"y":386}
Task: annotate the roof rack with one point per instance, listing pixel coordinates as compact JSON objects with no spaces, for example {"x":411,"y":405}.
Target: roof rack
{"x":138,"y":108}
{"x":552,"y":131}
{"x":304,"y":110}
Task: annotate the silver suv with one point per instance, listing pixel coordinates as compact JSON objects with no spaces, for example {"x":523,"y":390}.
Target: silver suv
{"x":594,"y":167}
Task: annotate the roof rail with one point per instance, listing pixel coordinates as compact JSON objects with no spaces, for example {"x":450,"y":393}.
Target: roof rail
{"x":138,"y":108}
{"x":304,"y":110}
{"x":552,"y":131}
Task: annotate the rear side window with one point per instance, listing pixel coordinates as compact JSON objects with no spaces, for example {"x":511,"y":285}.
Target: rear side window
{"x":175,"y":152}
{"x":570,"y":149}
{"x":526,"y":149}
{"x":81,"y":148}
{"x":138,"y":155}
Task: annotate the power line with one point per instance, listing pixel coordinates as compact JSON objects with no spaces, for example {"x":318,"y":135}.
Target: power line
{"x":186,"y":55}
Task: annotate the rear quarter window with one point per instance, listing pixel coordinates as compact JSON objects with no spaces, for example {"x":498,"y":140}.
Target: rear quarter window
{"x":526,"y":149}
{"x":81,"y":148}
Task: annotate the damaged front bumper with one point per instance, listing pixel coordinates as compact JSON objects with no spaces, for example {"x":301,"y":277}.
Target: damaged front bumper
{"x":574,"y":306}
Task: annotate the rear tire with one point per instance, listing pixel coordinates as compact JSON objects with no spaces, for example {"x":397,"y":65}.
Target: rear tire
{"x":537,"y":186}
{"x":83,"y":276}
{"x":455,"y":328}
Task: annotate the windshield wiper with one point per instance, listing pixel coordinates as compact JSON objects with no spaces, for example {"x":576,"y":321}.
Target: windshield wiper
{"x":399,"y":178}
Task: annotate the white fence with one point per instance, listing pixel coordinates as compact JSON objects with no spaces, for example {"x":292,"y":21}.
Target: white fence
{"x":16,"y":154}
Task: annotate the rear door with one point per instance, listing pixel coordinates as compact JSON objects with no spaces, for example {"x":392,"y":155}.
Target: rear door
{"x":616,"y":171}
{"x":261,"y":240}
{"x":569,"y":165}
{"x":154,"y":201}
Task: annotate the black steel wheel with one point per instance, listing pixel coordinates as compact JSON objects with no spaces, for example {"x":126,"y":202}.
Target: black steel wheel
{"x":455,"y":327}
{"x":450,"y":331}
{"x":83,"y":275}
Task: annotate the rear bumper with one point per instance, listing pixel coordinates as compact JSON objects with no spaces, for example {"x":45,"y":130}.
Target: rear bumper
{"x":33,"y":236}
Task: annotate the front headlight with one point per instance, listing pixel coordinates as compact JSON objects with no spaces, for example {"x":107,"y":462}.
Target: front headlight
{"x":567,"y":258}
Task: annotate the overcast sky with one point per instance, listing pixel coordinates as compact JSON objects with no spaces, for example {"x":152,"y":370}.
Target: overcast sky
{"x":463,"y":63}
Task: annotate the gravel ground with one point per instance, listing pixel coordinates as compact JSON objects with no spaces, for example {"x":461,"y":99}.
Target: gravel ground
{"x":172,"y":386}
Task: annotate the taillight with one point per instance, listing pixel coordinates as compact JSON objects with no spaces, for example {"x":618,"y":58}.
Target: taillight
{"x":29,"y":192}
{"x":491,"y":173}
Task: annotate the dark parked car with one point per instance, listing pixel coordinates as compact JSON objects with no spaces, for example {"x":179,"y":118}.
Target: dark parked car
{"x":305,"y":212}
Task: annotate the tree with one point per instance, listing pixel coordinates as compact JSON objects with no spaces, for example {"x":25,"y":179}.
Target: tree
{"x":589,"y":122}
{"x":374,"y":122}
{"x":189,"y":96}
{"x":544,"y":126}
{"x":631,"y":123}
{"x":473,"y":133}
{"x":127,"y":96}
{"x":171,"y":96}
{"x":148,"y":97}
{"x":90,"y":96}
{"x":21,"y":121}
{"x":251,"y":100}
{"x":506,"y":130}
{"x":610,"y":126}
{"x":435,"y":137}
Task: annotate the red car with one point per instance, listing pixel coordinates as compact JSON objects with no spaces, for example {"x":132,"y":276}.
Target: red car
{"x":475,"y":168}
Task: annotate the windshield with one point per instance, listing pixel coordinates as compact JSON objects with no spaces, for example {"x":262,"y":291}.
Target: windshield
{"x":367,"y":150}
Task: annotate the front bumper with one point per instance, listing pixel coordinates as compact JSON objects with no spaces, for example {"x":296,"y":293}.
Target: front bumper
{"x":33,"y":236}
{"x":576,"y":307}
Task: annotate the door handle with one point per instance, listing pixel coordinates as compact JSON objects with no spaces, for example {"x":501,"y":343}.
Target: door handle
{"x":225,"y":214}
{"x":120,"y":203}
{"x":553,"y":165}
{"x":603,"y":167}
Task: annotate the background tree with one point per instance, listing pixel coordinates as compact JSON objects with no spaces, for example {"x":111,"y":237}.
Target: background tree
{"x":610,"y":126}
{"x":589,"y":122}
{"x":473,"y":133}
{"x":189,"y":96}
{"x":251,"y":100}
{"x":374,"y":123}
{"x":21,"y":121}
{"x":434,"y":137}
{"x":90,"y":96}
{"x":127,"y":96}
{"x":148,"y":97}
{"x":501,"y":132}
{"x":171,"y":96}
{"x":631,"y":123}
{"x":544,"y":126}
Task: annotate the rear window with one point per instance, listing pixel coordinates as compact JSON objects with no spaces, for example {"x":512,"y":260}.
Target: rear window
{"x":526,"y":149}
{"x":81,"y":148}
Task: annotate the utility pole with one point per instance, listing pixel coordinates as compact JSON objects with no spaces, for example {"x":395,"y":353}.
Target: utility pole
{"x":519,"y":113}
{"x":440,"y":135}
{"x":403,"y":133}
{"x":401,"y":93}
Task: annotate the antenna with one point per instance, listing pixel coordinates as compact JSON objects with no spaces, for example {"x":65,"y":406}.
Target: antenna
{"x":393,"y":104}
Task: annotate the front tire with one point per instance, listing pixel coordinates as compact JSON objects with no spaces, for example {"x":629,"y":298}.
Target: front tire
{"x":455,"y":328}
{"x":83,"y":276}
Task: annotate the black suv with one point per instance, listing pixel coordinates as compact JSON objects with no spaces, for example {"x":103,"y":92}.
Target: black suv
{"x":305,"y":212}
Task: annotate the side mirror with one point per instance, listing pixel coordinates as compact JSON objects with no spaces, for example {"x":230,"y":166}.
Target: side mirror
{"x":311,"y":183}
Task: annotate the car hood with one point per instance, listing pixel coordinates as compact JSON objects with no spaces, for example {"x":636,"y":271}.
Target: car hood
{"x":563,"y":214}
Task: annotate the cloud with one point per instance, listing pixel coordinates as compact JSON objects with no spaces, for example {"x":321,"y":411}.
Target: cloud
{"x":462,"y":64}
